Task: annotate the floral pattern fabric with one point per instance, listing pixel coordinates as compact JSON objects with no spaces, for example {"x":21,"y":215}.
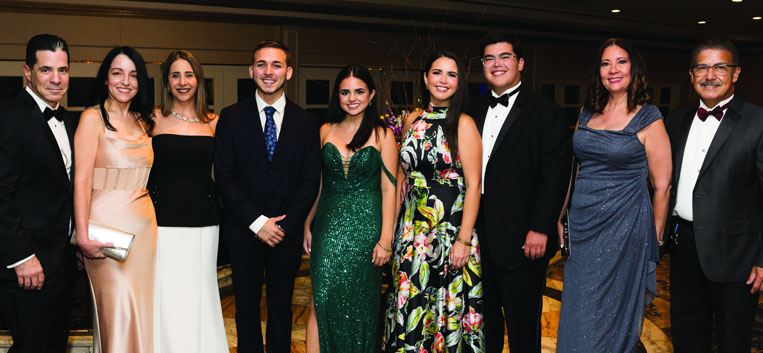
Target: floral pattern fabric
{"x":432,"y":307}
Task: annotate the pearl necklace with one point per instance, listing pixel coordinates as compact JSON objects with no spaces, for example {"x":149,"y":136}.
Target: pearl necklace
{"x":188,"y":120}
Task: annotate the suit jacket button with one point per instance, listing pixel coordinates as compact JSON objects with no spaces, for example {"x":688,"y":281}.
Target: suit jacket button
{"x":270,"y":171}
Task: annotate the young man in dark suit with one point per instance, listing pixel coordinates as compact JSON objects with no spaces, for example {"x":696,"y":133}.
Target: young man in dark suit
{"x":526,"y":163}
{"x":36,"y":168}
{"x":716,"y":206}
{"x":267,"y":167}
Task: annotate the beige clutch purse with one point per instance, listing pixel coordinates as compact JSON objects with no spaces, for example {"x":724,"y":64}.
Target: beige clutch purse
{"x":122,"y":240}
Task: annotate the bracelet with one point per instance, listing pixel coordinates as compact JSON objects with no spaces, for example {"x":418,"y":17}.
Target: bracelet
{"x":382,"y":246}
{"x":465,"y":242}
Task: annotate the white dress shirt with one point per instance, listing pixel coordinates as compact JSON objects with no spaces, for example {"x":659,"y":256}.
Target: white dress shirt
{"x":494,"y":120}
{"x":59,"y":132}
{"x":698,"y":142}
{"x":279,"y":105}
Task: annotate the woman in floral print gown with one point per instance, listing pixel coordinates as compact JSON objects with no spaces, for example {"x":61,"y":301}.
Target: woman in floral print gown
{"x":435,"y":304}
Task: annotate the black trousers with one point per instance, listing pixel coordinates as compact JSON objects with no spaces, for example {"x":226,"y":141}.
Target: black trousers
{"x":39,"y":319}
{"x":695,"y":301}
{"x":278,"y":266}
{"x":514,"y":297}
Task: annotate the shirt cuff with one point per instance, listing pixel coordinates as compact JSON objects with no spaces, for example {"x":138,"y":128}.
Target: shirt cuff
{"x":258,"y":223}
{"x":20,"y":262}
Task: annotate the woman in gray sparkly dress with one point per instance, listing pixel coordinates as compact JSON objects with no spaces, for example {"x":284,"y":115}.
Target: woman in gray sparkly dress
{"x":621,"y":145}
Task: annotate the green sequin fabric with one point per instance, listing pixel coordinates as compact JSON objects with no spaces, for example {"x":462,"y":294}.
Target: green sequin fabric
{"x":348,"y":220}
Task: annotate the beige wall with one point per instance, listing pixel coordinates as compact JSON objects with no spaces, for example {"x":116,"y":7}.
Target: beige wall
{"x":400,"y":53}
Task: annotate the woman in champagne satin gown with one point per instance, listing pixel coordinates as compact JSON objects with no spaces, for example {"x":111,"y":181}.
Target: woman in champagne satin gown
{"x":113,"y":160}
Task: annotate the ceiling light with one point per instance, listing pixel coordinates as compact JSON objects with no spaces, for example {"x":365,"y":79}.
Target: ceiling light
{"x":701,"y":22}
{"x":756,"y":18}
{"x":736,"y":0}
{"x":615,"y":11}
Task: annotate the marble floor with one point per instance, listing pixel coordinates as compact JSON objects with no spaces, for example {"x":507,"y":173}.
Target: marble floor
{"x":655,"y":337}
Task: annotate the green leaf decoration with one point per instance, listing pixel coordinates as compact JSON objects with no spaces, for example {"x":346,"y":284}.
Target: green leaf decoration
{"x":467,"y":278}
{"x":429,"y":213}
{"x":456,"y":286}
{"x":453,"y":339}
{"x":413,"y":319}
{"x":476,"y":291}
{"x":424,"y":274}
{"x":474,"y":267}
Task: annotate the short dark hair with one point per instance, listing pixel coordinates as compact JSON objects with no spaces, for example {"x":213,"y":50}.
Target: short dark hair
{"x":598,"y":96}
{"x":49,"y":42}
{"x":142,"y":104}
{"x":715,"y":43}
{"x":272,"y":43}
{"x":502,"y":37}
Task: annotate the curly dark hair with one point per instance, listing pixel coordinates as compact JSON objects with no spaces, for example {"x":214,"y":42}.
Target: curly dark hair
{"x":597,"y":96}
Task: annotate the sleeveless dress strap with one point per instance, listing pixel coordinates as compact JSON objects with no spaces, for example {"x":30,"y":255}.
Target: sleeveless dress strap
{"x":645,"y":116}
{"x":583,"y":117}
{"x":387,"y":172}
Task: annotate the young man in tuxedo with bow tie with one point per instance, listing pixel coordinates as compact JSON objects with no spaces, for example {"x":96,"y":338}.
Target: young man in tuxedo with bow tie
{"x":526,"y":163}
{"x":716,"y":206}
{"x":36,"y":168}
{"x":267,"y":167}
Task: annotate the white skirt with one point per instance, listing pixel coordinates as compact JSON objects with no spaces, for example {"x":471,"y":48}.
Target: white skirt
{"x":188,"y":317}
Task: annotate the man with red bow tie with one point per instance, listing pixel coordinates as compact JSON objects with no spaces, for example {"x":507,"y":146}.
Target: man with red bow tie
{"x":716,"y":206}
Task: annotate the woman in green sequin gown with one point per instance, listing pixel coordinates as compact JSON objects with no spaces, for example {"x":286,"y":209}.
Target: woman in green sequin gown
{"x":436,"y":301}
{"x":353,"y":220}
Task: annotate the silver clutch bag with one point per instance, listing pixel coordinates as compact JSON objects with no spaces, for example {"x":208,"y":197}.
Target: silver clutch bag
{"x":122,"y":240}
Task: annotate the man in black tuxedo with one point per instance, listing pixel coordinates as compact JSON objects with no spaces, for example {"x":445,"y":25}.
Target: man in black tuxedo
{"x":716,"y":206}
{"x":526,"y":163}
{"x":36,"y":156}
{"x":267,"y":164}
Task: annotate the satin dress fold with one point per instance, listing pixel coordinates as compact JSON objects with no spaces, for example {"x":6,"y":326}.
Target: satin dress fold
{"x":123,"y":291}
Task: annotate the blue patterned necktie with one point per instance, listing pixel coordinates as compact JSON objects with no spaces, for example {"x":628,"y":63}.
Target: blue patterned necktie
{"x":270,"y":131}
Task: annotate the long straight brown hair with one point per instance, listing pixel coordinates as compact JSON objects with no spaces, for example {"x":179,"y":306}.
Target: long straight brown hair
{"x":201,"y":107}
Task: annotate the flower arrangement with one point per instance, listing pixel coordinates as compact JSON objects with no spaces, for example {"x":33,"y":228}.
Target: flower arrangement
{"x":394,"y":120}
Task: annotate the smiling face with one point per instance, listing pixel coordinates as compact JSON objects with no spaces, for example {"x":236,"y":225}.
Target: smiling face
{"x":354,"y":96}
{"x":123,"y":79}
{"x":442,"y":81}
{"x":49,"y":78}
{"x":503,"y":72}
{"x":182,"y":81}
{"x":713,"y":87}
{"x":615,"y":69}
{"x":270,"y":73}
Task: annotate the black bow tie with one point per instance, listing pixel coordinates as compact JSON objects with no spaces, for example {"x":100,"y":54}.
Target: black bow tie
{"x":53,"y":113}
{"x":502,"y":100}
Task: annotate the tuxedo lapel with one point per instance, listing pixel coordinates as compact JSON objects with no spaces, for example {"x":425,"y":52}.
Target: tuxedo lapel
{"x":50,"y":139}
{"x":683,"y":134}
{"x":730,"y":120}
{"x":516,"y":109}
